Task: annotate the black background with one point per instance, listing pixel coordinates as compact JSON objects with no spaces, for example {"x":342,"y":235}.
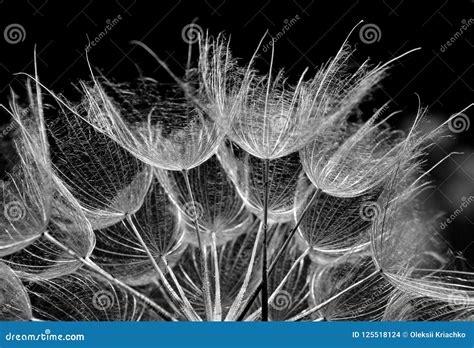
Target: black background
{"x":443,"y":80}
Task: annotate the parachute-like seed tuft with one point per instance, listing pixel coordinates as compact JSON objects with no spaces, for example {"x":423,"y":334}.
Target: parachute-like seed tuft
{"x":230,"y":195}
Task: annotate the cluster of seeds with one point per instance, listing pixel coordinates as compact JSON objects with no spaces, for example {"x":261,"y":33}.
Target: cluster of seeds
{"x":231,"y":195}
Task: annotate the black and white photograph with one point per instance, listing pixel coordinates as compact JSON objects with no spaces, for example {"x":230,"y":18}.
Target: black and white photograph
{"x":219,"y":160}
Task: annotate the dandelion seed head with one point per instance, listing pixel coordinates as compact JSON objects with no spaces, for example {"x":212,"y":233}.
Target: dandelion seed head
{"x":146,"y":201}
{"x":27,"y":191}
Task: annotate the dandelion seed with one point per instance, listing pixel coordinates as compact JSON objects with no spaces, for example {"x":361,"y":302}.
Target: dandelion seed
{"x":26,"y":195}
{"x":331,"y":225}
{"x":366,"y":302}
{"x":71,"y":228}
{"x":272,"y":118}
{"x":107,"y":181}
{"x":289,"y":284}
{"x":14,"y":300}
{"x":247,"y":174}
{"x":176,"y":131}
{"x":245,"y":160}
{"x":401,"y":239}
{"x":234,"y":257}
{"x":218,"y":206}
{"x":81,"y":297}
{"x":353,"y":160}
{"x":119,"y":252}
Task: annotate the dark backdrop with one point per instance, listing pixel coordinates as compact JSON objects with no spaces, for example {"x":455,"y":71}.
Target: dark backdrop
{"x":442,"y":75}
